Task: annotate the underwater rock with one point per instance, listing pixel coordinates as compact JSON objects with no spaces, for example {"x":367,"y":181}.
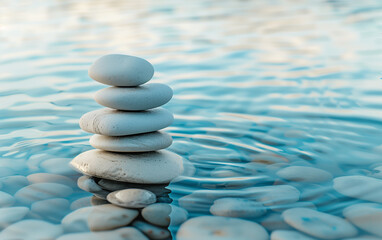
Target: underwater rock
{"x":41,"y":191}
{"x":153,"y":232}
{"x":11,"y":215}
{"x":367,"y":216}
{"x":163,"y":214}
{"x":289,"y":235}
{"x":6,"y":200}
{"x":132,"y":198}
{"x":31,"y":230}
{"x":237,"y":207}
{"x":304,"y":174}
{"x":118,"y":234}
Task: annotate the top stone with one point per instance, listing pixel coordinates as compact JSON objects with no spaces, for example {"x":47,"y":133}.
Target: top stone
{"x":121,"y":70}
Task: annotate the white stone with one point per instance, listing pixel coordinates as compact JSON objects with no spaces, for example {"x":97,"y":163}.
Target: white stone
{"x":144,"y":142}
{"x":6,"y":200}
{"x":51,"y":178}
{"x":12,"y":184}
{"x":304,"y":174}
{"x":121,"y":70}
{"x":146,"y":168}
{"x":112,"y":122}
{"x":163,"y":214}
{"x":31,"y":230}
{"x":11,"y":215}
{"x":98,"y":218}
{"x":53,"y":209}
{"x":289,"y":235}
{"x":361,"y":187}
{"x":318,"y":224}
{"x":110,"y":185}
{"x":237,"y":207}
{"x":58,"y":166}
{"x":153,"y":232}
{"x":140,"y":98}
{"x":125,"y":233}
{"x":367,"y":216}
{"x":274,"y":221}
{"x":220,"y":228}
{"x":132,"y":198}
{"x":41,"y":191}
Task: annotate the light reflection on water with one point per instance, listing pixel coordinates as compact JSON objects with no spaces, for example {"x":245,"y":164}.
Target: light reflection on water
{"x":258,"y":85}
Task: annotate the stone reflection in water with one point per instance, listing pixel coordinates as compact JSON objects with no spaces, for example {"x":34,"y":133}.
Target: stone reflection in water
{"x":129,"y":172}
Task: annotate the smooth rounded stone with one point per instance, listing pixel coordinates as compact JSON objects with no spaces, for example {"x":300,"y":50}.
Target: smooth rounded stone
{"x":121,"y":70}
{"x":41,"y":191}
{"x":54,"y":209}
{"x":289,"y":235}
{"x":367,"y":216}
{"x":219,"y":228}
{"x":146,"y":168}
{"x":11,"y":215}
{"x":59,"y":166}
{"x":111,"y":185}
{"x":31,"y":230}
{"x":98,"y":218}
{"x":377,"y":172}
{"x":162,"y":214}
{"x":237,"y":207}
{"x":144,"y":142}
{"x":363,"y":238}
{"x":132,"y":198}
{"x":88,"y":184}
{"x":139,"y":98}
{"x":274,"y":195}
{"x":6,"y":172}
{"x":283,"y":207}
{"x":304,"y":174}
{"x":12,"y":184}
{"x":126,"y":233}
{"x":51,"y":178}
{"x":361,"y":187}
{"x":6,"y":200}
{"x":112,"y":122}
{"x":153,"y":232}
{"x":318,"y":224}
{"x":274,"y":221}
{"x":81,"y":203}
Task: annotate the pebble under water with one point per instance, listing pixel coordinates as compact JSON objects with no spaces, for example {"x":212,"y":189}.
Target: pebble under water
{"x":276,"y":106}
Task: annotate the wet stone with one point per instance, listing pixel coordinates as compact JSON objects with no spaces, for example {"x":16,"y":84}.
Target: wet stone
{"x":26,"y":229}
{"x":59,"y":166}
{"x":98,"y":218}
{"x":80,"y":203}
{"x":88,"y":184}
{"x":318,"y":224}
{"x":289,"y":235}
{"x":162,"y":214}
{"x":366,"y":216}
{"x":41,"y":191}
{"x":304,"y":174}
{"x":216,"y":227}
{"x":132,"y":198}
{"x":125,"y":233}
{"x":54,"y":209}
{"x":274,"y":221}
{"x":11,"y":215}
{"x":51,"y":178}
{"x":237,"y":207}
{"x":110,"y":185}
{"x":153,"y":232}
{"x":12,"y":184}
{"x":6,"y":200}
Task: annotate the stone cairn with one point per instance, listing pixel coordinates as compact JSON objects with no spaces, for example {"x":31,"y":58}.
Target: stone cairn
{"x":130,"y":167}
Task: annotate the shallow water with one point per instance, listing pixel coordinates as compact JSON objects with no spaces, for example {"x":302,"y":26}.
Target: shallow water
{"x":258,"y":86}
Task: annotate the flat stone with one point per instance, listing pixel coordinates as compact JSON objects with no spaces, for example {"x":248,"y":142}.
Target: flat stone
{"x":237,"y":207}
{"x":163,"y":214}
{"x":361,"y":187}
{"x":274,"y":221}
{"x":140,"y":98}
{"x":121,"y":70}
{"x":110,"y":185}
{"x":125,"y":233}
{"x":318,"y":224}
{"x":304,"y":174}
{"x":41,"y":191}
{"x":88,"y":184}
{"x":132,"y":198}
{"x":220,"y":228}
{"x":146,"y":168}
{"x":58,"y":166}
{"x":12,"y":184}
{"x":367,"y":216}
{"x":98,"y":218}
{"x":144,"y":142}
{"x":112,"y":122}
{"x":53,"y":209}
{"x":289,"y":235}
{"x":31,"y":230}
{"x":153,"y":232}
{"x":80,"y":203}
{"x":51,"y":178}
{"x":11,"y":215}
{"x":6,"y":200}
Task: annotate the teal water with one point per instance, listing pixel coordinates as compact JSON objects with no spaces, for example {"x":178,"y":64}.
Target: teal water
{"x":258,"y":86}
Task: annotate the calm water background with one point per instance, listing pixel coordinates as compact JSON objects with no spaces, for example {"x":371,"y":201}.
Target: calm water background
{"x":272,"y":82}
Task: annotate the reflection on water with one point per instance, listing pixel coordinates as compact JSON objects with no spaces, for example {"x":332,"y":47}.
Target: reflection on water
{"x":260,"y":87}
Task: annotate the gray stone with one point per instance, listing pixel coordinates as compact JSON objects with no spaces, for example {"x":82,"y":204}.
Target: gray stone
{"x":304,"y":174}
{"x":153,"y":232}
{"x":112,"y":122}
{"x":163,"y":214}
{"x":132,"y":198}
{"x":237,"y":207}
{"x":54,"y":209}
{"x":110,"y":185}
{"x":220,"y":228}
{"x":289,"y":235}
{"x":6,"y":200}
{"x":121,"y":70}
{"x":144,"y":142}
{"x":31,"y":230}
{"x":11,"y":215}
{"x":125,"y":233}
{"x":41,"y":191}
{"x":51,"y":178}
{"x":12,"y":184}
{"x":58,"y":166}
{"x":140,"y":98}
{"x":366,"y":216}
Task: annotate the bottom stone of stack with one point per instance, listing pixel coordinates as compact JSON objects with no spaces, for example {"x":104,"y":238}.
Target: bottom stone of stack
{"x":157,"y":167}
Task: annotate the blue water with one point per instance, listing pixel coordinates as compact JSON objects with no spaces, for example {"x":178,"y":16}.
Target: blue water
{"x":274,"y":83}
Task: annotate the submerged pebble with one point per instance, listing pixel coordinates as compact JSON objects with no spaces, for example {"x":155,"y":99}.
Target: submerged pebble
{"x":53,"y":209}
{"x":6,"y":200}
{"x":153,"y":232}
{"x":163,"y":214}
{"x":98,"y":218}
{"x":9,"y":215}
{"x":12,"y":184}
{"x":237,"y":207}
{"x":304,"y":174}
{"x":125,"y":233}
{"x":318,"y":224}
{"x":41,"y":191}
{"x":216,"y":227}
{"x":366,"y":216}
{"x":31,"y":230}
{"x":289,"y":235}
{"x":132,"y":198}
{"x":51,"y":178}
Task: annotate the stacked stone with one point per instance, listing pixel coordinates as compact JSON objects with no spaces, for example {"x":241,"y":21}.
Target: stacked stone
{"x":130,"y":167}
